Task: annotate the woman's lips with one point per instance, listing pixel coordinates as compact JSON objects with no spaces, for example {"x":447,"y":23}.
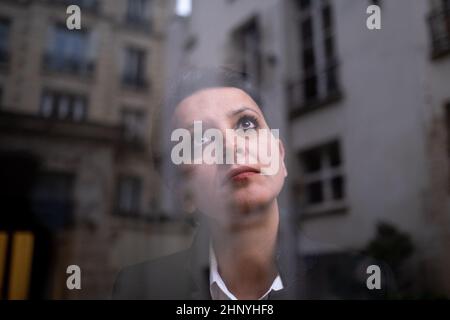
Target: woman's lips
{"x":241,"y":173}
{"x":242,"y":176}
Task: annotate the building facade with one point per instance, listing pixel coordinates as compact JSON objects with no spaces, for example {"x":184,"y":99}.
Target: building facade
{"x":364,"y":113}
{"x":79,"y":143}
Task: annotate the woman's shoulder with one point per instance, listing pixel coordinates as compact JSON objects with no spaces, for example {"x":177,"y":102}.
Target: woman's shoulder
{"x":153,"y":279}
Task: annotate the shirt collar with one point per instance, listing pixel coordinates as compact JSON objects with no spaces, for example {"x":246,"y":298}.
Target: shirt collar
{"x":219,"y":290}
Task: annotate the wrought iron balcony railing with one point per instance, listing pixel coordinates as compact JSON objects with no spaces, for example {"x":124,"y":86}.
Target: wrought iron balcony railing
{"x":73,"y":66}
{"x":313,"y":90}
{"x":134,"y":82}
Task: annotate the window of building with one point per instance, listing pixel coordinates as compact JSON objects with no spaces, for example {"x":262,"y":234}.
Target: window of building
{"x":439,"y":25}
{"x":69,"y":51}
{"x":64,"y":106}
{"x":376,"y":2}
{"x":133,"y":122}
{"x":319,"y":78}
{"x":134,"y":68}
{"x":129,"y":195}
{"x":138,"y":13}
{"x":4,"y":40}
{"x":323,"y":181}
{"x":447,"y":124}
{"x":52,"y":199}
{"x":247,"y":51}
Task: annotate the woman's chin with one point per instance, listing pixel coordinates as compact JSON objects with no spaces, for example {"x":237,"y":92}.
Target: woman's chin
{"x":248,"y":202}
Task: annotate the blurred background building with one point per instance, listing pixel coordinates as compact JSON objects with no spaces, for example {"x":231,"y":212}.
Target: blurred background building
{"x":78,"y":136}
{"x":364,"y":115}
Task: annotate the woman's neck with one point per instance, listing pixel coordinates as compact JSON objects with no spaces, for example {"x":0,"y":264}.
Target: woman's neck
{"x":245,"y":255}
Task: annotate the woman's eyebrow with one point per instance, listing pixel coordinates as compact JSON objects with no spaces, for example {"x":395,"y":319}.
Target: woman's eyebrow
{"x":240,"y":110}
{"x":204,"y":123}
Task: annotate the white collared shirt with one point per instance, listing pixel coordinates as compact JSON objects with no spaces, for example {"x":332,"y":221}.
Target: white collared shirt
{"x":219,"y":290}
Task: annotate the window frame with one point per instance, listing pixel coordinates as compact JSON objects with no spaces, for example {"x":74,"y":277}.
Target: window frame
{"x":80,"y":64}
{"x":135,"y":134}
{"x":55,"y":97}
{"x":136,"y":209}
{"x":5,"y":54}
{"x":137,"y":78}
{"x":242,"y":56}
{"x":321,"y":77}
{"x":439,"y":18}
{"x":324,"y":174}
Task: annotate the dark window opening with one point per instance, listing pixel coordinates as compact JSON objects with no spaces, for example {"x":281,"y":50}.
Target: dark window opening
{"x":376,"y":2}
{"x":314,"y":193}
{"x":318,"y":82}
{"x":439,"y":26}
{"x":309,"y":61}
{"x":247,"y":45}
{"x":312,"y":161}
{"x":137,"y":13}
{"x":4,"y":40}
{"x":327,"y":18}
{"x":69,"y":51}
{"x":307,"y":30}
{"x":329,"y":49}
{"x":310,"y":89}
{"x":134,"y":70}
{"x":129,"y":196}
{"x":322,"y":176}
{"x":133,"y":123}
{"x":447,"y":122}
{"x":334,"y":154}
{"x":337,"y":187}
{"x":304,"y":4}
{"x":52,"y":199}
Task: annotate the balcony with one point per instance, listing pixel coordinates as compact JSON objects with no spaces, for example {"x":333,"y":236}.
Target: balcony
{"x":439,"y":24}
{"x":131,"y":141}
{"x":313,"y":91}
{"x":134,"y":82}
{"x":73,"y":66}
{"x":23,"y":124}
{"x":139,"y":23}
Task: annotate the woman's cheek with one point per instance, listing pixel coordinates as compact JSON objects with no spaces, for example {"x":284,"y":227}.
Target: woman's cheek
{"x":278,"y":180}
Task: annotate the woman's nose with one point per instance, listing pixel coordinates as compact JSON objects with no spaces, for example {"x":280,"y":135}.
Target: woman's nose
{"x":231,"y":148}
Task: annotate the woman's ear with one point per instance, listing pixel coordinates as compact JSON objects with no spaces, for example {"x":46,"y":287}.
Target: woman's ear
{"x":282,"y":156}
{"x":189,"y":203}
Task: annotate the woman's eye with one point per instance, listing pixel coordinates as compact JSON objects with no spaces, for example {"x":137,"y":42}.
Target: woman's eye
{"x":246,"y":123}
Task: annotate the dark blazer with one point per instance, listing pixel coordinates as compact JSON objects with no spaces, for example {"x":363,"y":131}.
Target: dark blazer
{"x":185,"y":275}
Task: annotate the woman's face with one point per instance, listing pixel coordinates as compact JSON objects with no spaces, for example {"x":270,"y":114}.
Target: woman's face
{"x":229,"y":192}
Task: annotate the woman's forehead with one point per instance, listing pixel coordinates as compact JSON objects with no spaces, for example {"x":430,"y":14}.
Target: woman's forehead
{"x":213,"y":102}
